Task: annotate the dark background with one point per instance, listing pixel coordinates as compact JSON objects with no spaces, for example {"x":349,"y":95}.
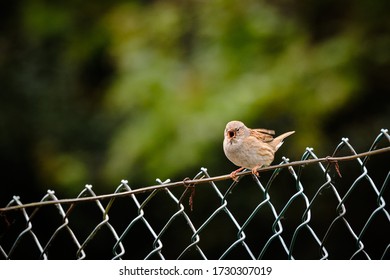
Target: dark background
{"x":95,"y":92}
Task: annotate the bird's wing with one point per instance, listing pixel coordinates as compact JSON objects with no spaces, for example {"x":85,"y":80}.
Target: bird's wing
{"x":262,"y":134}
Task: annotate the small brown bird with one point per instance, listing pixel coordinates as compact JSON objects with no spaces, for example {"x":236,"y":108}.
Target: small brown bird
{"x":250,"y":148}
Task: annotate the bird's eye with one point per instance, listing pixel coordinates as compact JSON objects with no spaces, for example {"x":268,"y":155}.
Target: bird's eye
{"x":231,"y":134}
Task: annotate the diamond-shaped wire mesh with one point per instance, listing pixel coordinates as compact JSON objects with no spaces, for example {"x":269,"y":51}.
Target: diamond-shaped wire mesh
{"x":314,"y":210}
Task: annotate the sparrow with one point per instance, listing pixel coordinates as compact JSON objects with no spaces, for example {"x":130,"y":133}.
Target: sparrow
{"x":250,"y":148}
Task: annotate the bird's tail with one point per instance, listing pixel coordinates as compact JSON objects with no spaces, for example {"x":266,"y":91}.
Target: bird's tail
{"x":278,"y":141}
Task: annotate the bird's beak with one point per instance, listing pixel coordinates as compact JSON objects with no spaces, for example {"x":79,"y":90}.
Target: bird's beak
{"x":231,"y":134}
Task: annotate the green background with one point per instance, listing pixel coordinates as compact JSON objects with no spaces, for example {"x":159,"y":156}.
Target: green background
{"x":93,"y":92}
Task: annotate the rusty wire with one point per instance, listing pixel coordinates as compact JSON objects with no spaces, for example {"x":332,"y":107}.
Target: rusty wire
{"x":240,"y":228}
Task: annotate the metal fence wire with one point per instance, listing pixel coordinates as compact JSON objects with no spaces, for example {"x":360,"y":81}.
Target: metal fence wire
{"x":329,"y":208}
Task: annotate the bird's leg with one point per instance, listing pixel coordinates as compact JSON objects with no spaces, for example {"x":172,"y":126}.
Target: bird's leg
{"x":233,"y":175}
{"x":254,"y":170}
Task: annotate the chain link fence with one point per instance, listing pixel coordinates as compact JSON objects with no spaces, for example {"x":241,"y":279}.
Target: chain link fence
{"x":329,"y":208}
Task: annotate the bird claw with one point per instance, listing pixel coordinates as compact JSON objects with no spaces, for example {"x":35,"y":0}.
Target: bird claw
{"x":254,"y":171}
{"x":234,"y":176}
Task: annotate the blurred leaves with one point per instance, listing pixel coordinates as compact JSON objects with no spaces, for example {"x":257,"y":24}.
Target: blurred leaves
{"x":97,"y":92}
{"x":183,"y":72}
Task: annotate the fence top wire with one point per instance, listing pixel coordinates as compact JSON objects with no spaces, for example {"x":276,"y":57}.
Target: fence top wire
{"x":331,"y":160}
{"x":280,"y":232}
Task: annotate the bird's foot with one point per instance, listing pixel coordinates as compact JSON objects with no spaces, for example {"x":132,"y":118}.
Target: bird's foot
{"x":254,"y":170}
{"x":233,"y":175}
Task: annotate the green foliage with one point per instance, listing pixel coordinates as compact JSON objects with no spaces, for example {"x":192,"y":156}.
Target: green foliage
{"x":182,"y":75}
{"x":104,"y":91}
